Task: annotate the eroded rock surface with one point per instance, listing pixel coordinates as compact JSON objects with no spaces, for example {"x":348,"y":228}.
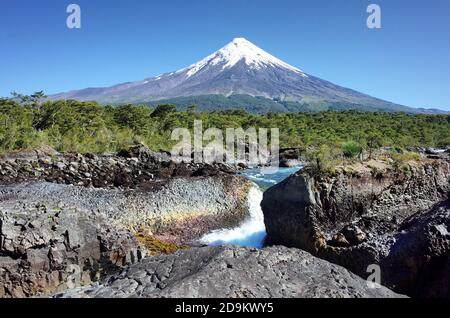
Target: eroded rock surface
{"x":365,"y":217}
{"x":181,"y":209}
{"x":61,"y":215}
{"x":43,"y":250}
{"x":233,"y":272}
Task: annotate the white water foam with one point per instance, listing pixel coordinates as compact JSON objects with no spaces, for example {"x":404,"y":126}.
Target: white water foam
{"x":251,"y":233}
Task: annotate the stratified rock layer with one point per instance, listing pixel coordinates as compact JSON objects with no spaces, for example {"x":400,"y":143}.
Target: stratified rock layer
{"x":367,"y":216}
{"x":233,"y":272}
{"x":181,"y":209}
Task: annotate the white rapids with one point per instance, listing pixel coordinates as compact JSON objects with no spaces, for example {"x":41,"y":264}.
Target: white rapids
{"x":251,"y":233}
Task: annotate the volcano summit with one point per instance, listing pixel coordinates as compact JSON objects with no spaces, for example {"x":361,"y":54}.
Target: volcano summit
{"x":239,"y":75}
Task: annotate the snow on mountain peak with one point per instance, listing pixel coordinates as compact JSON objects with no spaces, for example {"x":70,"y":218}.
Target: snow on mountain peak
{"x":240,"y":49}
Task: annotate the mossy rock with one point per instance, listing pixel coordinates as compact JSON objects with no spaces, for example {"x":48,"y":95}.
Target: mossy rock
{"x":157,"y":247}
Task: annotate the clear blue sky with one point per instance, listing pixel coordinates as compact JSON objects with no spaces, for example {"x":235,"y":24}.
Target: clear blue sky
{"x":406,"y":62}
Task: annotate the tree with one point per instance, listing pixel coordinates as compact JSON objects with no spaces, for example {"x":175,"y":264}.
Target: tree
{"x":163,"y":110}
{"x":374,"y":141}
{"x":33,"y":102}
{"x":29,"y":100}
{"x":191,"y":109}
{"x":135,"y":117}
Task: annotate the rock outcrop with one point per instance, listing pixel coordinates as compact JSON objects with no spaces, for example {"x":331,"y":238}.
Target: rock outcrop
{"x":179,"y":210}
{"x":136,"y":168}
{"x":137,"y":189}
{"x":369,"y":215}
{"x":216,"y":272}
{"x":93,"y":214}
{"x":44,"y":250}
{"x":290,"y":157}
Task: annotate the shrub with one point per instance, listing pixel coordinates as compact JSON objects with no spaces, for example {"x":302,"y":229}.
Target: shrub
{"x":351,"y":149}
{"x":406,"y":157}
{"x":323,"y":158}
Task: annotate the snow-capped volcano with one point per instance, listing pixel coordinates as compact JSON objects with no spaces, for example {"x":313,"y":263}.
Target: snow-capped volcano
{"x":241,"y":69}
{"x":240,"y":50}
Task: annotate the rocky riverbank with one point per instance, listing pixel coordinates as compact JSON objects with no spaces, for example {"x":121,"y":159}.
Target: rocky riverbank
{"x":71,"y":220}
{"x":64,"y":215}
{"x":178,"y":211}
{"x":217,"y":272}
{"x":370,"y":213}
{"x":136,"y":168}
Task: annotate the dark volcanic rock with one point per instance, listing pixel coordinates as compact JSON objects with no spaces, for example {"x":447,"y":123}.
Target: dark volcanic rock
{"x":233,"y":272}
{"x":413,"y":258}
{"x":144,"y":154}
{"x":421,"y":252}
{"x":73,"y":214}
{"x":45,"y":250}
{"x":135,"y":168}
{"x":290,"y":157}
{"x":52,"y":234}
{"x":179,"y":211}
{"x":366,"y":217}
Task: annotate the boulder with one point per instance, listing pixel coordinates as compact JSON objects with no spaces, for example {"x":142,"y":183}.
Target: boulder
{"x":418,"y":260}
{"x":143,"y":153}
{"x":434,"y":151}
{"x":290,"y":157}
{"x":289,"y":163}
{"x":232,"y":272}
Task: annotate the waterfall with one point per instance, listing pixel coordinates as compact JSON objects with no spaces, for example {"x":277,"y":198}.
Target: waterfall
{"x":250,"y":233}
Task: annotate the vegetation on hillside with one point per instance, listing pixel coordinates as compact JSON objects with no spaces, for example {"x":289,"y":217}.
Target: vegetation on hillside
{"x":71,"y":126}
{"x":262,"y":105}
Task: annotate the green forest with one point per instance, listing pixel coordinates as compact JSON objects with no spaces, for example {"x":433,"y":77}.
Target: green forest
{"x":71,"y":126}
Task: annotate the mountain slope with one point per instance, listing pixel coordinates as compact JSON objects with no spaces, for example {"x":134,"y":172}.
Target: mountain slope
{"x":261,"y":105}
{"x":239,"y":68}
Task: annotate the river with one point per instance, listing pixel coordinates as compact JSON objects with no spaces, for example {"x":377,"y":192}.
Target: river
{"x":251,"y":232}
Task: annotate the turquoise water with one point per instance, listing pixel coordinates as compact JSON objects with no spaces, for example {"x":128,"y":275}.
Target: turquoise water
{"x":266,"y":181}
{"x":252,"y":232}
